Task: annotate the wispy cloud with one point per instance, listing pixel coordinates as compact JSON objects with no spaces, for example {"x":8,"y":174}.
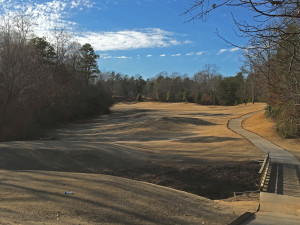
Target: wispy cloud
{"x":228,"y":50}
{"x":122,"y":57}
{"x":44,"y":16}
{"x":106,"y":56}
{"x":199,"y":53}
{"x":194,"y":53}
{"x":190,"y":53}
{"x":234,"y":49}
{"x":57,"y":13}
{"x":222,"y":51}
{"x":187,"y":42}
{"x":174,"y":55}
{"x":129,"y":39}
{"x":114,"y":57}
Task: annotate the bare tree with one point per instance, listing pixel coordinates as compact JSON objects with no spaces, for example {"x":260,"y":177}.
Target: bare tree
{"x":270,"y":17}
{"x":61,"y":40}
{"x":273,"y":52}
{"x":285,"y":8}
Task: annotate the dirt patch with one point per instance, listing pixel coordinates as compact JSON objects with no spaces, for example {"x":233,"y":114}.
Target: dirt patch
{"x":265,"y":127}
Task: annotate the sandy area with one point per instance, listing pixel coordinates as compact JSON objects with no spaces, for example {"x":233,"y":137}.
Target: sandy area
{"x":168,"y":142}
{"x":265,"y":127}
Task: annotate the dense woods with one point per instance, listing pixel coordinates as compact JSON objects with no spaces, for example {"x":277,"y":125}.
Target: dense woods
{"x":207,"y":87}
{"x":278,"y":68}
{"x":43,"y":84}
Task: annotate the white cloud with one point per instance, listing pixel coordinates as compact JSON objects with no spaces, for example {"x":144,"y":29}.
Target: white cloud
{"x":128,"y":39}
{"x":114,"y":57}
{"x":149,"y":56}
{"x":222,"y":51}
{"x":52,"y":14}
{"x":122,"y":57}
{"x":234,"y":49}
{"x":227,"y":50}
{"x":176,"y":55}
{"x":163,"y":55}
{"x":44,"y":16}
{"x":190,"y":53}
{"x":187,"y":42}
{"x":199,"y":53}
{"x":174,"y":42}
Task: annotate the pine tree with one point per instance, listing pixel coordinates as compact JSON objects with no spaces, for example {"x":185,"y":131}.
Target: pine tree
{"x":88,"y":63}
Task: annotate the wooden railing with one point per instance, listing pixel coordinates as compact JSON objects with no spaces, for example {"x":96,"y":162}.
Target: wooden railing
{"x":264,"y":171}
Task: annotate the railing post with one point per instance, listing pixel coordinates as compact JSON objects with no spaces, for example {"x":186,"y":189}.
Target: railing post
{"x":264,"y":171}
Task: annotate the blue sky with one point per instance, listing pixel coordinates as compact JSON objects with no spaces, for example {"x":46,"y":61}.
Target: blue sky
{"x":141,"y":36}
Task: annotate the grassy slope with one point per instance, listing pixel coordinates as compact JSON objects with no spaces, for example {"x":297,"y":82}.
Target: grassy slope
{"x":173,"y":140}
{"x":38,"y":198}
{"x":265,"y":127}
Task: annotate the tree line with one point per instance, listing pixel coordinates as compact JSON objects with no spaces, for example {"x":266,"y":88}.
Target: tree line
{"x":43,"y":84}
{"x":206,"y":87}
{"x":272,"y":52}
{"x":278,"y":68}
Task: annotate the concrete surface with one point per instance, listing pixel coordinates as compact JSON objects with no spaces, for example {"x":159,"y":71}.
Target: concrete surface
{"x":282,"y":204}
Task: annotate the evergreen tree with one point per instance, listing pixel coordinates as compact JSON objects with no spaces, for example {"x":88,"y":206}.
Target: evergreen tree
{"x":88,"y":63}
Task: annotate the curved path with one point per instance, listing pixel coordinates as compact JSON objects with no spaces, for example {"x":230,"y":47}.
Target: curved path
{"x":280,"y":204}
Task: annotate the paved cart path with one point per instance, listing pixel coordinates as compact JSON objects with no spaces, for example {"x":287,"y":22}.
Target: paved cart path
{"x":280,"y":202}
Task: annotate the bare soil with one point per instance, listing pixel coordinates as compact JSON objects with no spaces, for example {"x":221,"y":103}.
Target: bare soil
{"x":183,"y":146}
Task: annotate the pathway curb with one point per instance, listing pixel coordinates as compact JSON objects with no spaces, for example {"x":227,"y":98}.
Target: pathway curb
{"x":274,"y":207}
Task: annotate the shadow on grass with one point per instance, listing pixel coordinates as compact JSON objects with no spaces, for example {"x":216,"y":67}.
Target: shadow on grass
{"x":113,"y":214}
{"x":206,"y":139}
{"x":195,"y":176}
{"x":133,"y":203}
{"x":206,"y":114}
{"x":92,"y":147}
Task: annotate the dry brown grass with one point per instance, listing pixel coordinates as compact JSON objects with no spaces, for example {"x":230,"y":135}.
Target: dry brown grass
{"x":157,"y":142}
{"x":143,"y":133}
{"x":38,"y":198}
{"x":265,"y":127}
{"x":187,"y":130}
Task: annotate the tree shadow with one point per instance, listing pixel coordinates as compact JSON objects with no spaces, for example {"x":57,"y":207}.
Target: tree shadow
{"x":188,"y":121}
{"x":206,"y":114}
{"x":205,"y":139}
{"x":130,"y":209}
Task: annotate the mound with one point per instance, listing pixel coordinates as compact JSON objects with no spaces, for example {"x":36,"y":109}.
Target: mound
{"x":71,"y":198}
{"x":167,"y":144}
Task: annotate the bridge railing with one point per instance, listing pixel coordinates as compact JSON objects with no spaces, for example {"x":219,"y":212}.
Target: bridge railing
{"x":264,"y":171}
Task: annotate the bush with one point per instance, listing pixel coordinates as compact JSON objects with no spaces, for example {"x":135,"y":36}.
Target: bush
{"x":286,"y":118}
